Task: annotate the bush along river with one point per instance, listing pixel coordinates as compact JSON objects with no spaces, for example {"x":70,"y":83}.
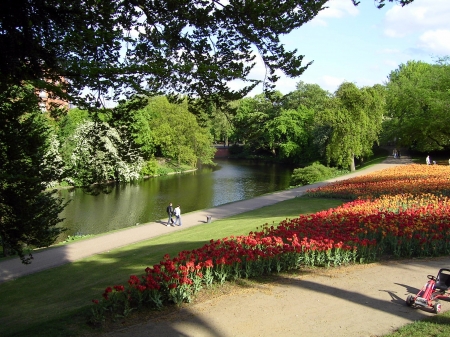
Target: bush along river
{"x":146,"y":201}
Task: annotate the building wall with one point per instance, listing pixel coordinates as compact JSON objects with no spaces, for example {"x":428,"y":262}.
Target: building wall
{"x":47,"y":100}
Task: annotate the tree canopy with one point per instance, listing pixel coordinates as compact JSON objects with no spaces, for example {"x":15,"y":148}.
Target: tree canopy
{"x":117,"y":48}
{"x":417,"y":101}
{"x":353,"y":119}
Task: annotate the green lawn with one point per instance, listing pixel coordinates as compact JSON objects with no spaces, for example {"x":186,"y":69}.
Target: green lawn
{"x":55,"y":302}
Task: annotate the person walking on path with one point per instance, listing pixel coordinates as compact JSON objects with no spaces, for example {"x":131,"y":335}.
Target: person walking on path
{"x":428,"y":161}
{"x":177,"y":215}
{"x":170,"y":214}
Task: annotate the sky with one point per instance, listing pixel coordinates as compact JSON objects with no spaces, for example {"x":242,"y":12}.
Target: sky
{"x":364,"y":44}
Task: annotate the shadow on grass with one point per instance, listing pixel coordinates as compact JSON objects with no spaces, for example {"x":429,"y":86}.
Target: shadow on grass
{"x":31,"y":301}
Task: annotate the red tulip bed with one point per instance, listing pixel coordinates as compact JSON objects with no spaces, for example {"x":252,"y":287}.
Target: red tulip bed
{"x":403,"y":212}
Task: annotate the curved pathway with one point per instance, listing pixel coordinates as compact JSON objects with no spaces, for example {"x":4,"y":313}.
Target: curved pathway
{"x":59,"y":255}
{"x":355,"y":301}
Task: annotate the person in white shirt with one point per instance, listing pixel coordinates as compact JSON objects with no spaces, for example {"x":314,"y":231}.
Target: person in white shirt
{"x":177,"y":215}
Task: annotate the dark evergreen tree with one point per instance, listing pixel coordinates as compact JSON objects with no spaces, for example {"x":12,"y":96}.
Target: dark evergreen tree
{"x":28,"y":213}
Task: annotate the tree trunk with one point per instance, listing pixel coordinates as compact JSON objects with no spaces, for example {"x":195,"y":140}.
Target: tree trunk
{"x":352,"y":164}
{"x":6,"y":250}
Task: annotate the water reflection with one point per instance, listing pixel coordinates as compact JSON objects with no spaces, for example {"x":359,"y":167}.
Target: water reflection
{"x":146,"y":201}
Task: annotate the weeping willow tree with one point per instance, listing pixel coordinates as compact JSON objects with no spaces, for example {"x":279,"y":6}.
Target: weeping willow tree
{"x":353,"y":120}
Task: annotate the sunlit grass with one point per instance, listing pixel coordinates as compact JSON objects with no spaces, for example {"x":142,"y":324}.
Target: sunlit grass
{"x":435,"y":326}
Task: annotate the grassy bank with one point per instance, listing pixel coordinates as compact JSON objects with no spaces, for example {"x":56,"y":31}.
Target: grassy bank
{"x":55,"y":302}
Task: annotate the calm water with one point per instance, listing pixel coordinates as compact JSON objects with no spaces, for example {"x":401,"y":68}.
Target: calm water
{"x":146,"y":201}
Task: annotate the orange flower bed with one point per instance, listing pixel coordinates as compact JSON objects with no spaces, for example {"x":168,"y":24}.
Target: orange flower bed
{"x":414,"y":179}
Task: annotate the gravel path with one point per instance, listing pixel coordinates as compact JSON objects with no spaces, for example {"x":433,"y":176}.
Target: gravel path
{"x":354,"y":301}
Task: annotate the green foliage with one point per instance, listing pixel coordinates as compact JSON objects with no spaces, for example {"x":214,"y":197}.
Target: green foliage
{"x":314,"y":173}
{"x":310,"y":96}
{"x":163,"y":171}
{"x":417,"y":103}
{"x":150,"y":168}
{"x":28,"y":214}
{"x":261,"y":124}
{"x":70,"y":121}
{"x":352,"y":122}
{"x":282,"y":126}
{"x":175,"y":133}
{"x":132,"y":118}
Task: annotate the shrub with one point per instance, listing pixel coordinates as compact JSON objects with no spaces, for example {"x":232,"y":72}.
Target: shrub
{"x":150,"y":168}
{"x":313,"y":173}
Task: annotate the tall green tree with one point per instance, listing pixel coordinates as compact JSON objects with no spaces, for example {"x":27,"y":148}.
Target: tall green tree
{"x":353,"y":120}
{"x":253,"y":121}
{"x":417,"y":105}
{"x":308,"y":100}
{"x":28,"y":213}
{"x":175,"y":132}
{"x":310,"y":96}
{"x":290,"y":133}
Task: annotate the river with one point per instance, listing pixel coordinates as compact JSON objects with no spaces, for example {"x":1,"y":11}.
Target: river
{"x":146,"y":201}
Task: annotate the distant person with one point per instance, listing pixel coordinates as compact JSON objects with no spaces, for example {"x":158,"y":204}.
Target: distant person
{"x":177,"y":215}
{"x":394,"y":153}
{"x":428,"y":161}
{"x":170,"y":213}
{"x":399,"y":154}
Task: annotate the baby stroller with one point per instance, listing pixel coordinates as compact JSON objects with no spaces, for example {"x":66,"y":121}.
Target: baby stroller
{"x":434,"y":290}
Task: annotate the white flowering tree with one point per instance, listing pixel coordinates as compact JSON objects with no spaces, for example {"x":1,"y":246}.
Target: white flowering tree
{"x":52,"y":162}
{"x":101,"y":154}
